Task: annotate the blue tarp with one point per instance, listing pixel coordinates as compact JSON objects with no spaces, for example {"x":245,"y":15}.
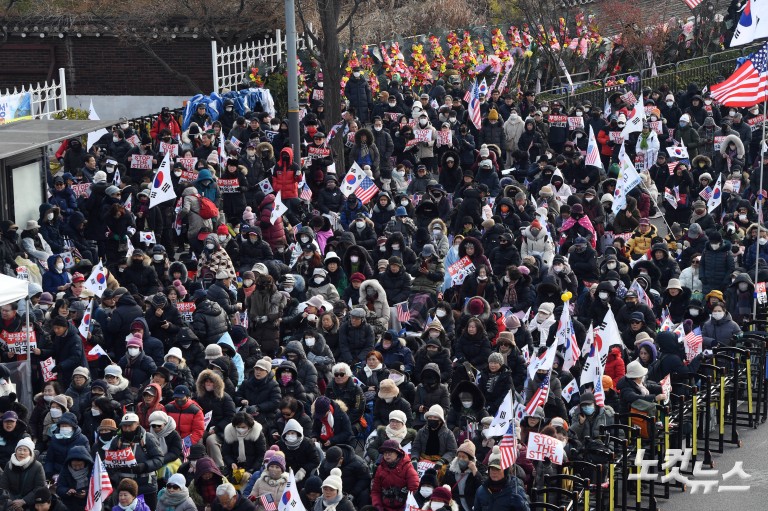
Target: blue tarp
{"x":245,"y":101}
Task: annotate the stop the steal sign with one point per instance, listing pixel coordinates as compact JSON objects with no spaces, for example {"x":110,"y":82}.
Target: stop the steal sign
{"x":543,"y":446}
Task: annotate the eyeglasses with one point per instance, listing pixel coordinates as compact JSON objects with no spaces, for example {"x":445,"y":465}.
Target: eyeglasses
{"x":172,"y":486}
{"x":339,"y":375}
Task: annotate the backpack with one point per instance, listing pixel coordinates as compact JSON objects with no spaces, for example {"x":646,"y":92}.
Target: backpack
{"x":654,"y":369}
{"x":208,"y":209}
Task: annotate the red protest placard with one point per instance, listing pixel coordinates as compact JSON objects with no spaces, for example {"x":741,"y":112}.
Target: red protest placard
{"x":17,"y":341}
{"x":169,"y":148}
{"x":141,"y":161}
{"x":120,"y":458}
{"x":756,"y":122}
{"x":47,"y":367}
{"x":315,"y":152}
{"x":543,"y":446}
{"x":558,"y":121}
{"x":616,"y":137}
{"x":186,"y":309}
{"x":229,"y":185}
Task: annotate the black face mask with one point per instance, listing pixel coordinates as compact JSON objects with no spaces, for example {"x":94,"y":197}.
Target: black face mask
{"x":433,"y":424}
{"x":107,"y":436}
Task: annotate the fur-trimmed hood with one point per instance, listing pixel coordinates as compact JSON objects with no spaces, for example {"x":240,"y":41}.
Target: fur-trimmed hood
{"x":486,"y":309}
{"x":737,"y":141}
{"x":338,"y":404}
{"x":218,"y":383}
{"x":367,"y":133}
{"x":265,"y":145}
{"x":230,"y":433}
{"x":439,"y":222}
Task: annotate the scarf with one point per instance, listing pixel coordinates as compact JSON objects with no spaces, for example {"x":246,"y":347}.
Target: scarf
{"x":398,"y":435}
{"x":81,"y":476}
{"x":643,"y":389}
{"x":326,"y":430}
{"x":241,"y":457}
{"x":160,"y":435}
{"x":368,"y":371}
{"x":543,"y":328}
{"x":510,"y":296}
{"x":21,"y":464}
{"x":644,"y":141}
{"x":131,"y":506}
{"x":172,"y":500}
{"x":328,"y":505}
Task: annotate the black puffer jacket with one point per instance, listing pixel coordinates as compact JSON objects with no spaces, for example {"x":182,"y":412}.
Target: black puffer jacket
{"x":397,"y":286}
{"x":222,"y":296}
{"x":118,"y":326}
{"x":306,"y":371}
{"x":219,"y":403}
{"x":140,"y":278}
{"x":355,"y":342}
{"x":459,"y":417}
{"x":209,"y":321}
{"x":263,"y":394}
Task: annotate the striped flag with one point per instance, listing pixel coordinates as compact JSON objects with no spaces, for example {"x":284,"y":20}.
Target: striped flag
{"x":599,"y":391}
{"x":706,"y":193}
{"x":566,"y":337}
{"x":306,"y":193}
{"x":593,"y":152}
{"x":508,"y":447}
{"x":85,"y":323}
{"x":99,"y":488}
{"x":539,"y":397}
{"x":747,"y":85}
{"x":268,"y":502}
{"x":693,"y":344}
{"x":403,"y":313}
{"x":473,"y":105}
{"x":367,"y":190}
{"x":642,"y":296}
{"x":186,"y":445}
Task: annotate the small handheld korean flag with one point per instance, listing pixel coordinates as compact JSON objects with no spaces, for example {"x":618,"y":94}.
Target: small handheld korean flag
{"x":162,"y":187}
{"x":279,"y":209}
{"x":148,"y":237}
{"x":678,"y":151}
{"x":500,"y":422}
{"x":266,"y":186}
{"x":635,"y":119}
{"x":97,"y":282}
{"x":291,"y":500}
{"x":352,"y":180}
{"x":717,"y":196}
{"x":85,"y":323}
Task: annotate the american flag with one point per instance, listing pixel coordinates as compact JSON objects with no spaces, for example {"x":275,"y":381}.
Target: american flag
{"x":598,"y":383}
{"x":472,"y":97}
{"x":403,"y":313}
{"x":267,"y":502}
{"x":693,"y":343}
{"x":539,"y":397}
{"x":706,"y":193}
{"x":306,"y":193}
{"x":692,"y":4}
{"x":99,"y":488}
{"x":367,"y":190}
{"x":508,"y":446}
{"x":747,"y":85}
{"x":186,"y":444}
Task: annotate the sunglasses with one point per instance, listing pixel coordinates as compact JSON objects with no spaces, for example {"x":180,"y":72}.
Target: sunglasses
{"x":172,"y":487}
{"x":339,"y":375}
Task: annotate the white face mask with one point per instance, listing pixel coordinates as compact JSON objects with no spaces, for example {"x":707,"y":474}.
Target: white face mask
{"x":422,"y":122}
{"x":291,"y":437}
{"x":395,"y":247}
{"x":356,"y":74}
{"x":288,"y":289}
{"x":670,"y":103}
{"x":404,"y":202}
{"x":309,"y":341}
{"x":426,"y":491}
{"x":437,"y":232}
{"x":210,"y":246}
{"x":65,"y":430}
{"x":434,"y":334}
{"x":49,"y":216}
{"x":377,"y":128}
{"x":718,"y":315}
{"x":763,"y":241}
{"x":436,"y":505}
{"x":611,"y":266}
{"x":47,"y":399}
{"x":242,"y":431}
{"x":360,"y":224}
{"x":354,"y":258}
{"x":541,"y":317}
{"x":319,"y":84}
{"x":115,"y":139}
{"x":579,"y":114}
{"x":467,"y":404}
{"x":514,"y":330}
{"x":319,"y":280}
{"x":133,"y":352}
{"x":440,"y":313}
{"x":383,"y":248}
{"x":247,"y":282}
{"x":158,"y":257}
{"x":56,"y":413}
{"x":59,"y":266}
{"x":305,"y":239}
{"x":557,"y":268}
{"x":654,"y":118}
{"x":715,"y":246}
{"x":95,"y":412}
{"x":693,"y":312}
{"x":603,"y":295}
{"x":222,"y":238}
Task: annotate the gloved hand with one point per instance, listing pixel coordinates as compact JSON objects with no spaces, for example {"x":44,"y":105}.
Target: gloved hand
{"x":262,"y":319}
{"x":300,"y":474}
{"x":439,"y":465}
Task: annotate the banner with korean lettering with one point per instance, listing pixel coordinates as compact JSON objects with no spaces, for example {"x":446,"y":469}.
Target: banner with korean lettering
{"x":16,"y":342}
{"x":120,"y":458}
{"x":185,"y":310}
{"x":460,"y":270}
{"x":558,"y":121}
{"x":229,"y":185}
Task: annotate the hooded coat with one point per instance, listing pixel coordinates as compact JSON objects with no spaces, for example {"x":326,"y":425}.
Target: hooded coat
{"x":391,"y":484}
{"x":274,"y":234}
{"x":217,"y":402}
{"x":209,"y":321}
{"x":266,"y":303}
{"x":58,"y":449}
{"x":68,"y":353}
{"x":459,"y":418}
{"x":305,"y":369}
{"x":254,"y":447}
{"x":66,"y":480}
{"x":303,"y":457}
{"x":716,"y":267}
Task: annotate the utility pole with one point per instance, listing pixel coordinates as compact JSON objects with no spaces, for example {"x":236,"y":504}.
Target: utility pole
{"x":293,"y":82}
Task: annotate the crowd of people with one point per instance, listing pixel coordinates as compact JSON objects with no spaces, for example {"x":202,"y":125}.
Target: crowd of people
{"x":338,"y":342}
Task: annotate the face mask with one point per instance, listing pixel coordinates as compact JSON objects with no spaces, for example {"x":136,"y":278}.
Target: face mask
{"x":440,"y":313}
{"x":275,"y":126}
{"x":133,"y":352}
{"x":433,"y":423}
{"x":286,"y":378}
{"x":693,"y":312}
{"x":360,"y":224}
{"x":305,"y":239}
{"x":49,"y":216}
{"x":354,"y":258}
{"x":482,"y":278}
{"x":463,"y":464}
{"x":557,"y":268}
{"x":466,"y":404}
{"x":288,"y":289}
{"x":683,"y":124}
{"x":743,"y":286}
{"x":56,"y":412}
{"x":356,"y":74}
{"x":377,"y":128}
{"x":545,"y":109}
{"x":743,"y":217}
{"x":436,"y":505}
{"x":670,"y":103}
{"x":426,"y":491}
{"x":621,"y":124}
{"x":392,"y":105}
{"x":541,"y":317}
{"x":291,"y":438}
{"x":247,"y":282}
{"x":718,"y":315}
{"x":309,"y":341}
{"x":95,"y":412}
{"x":588,"y":409}
{"x":242,"y":431}
{"x":654,"y":118}
{"x":611,"y":266}
{"x":222,"y":238}
{"x":59,"y":266}
{"x":47,"y":399}
{"x":65,"y":432}
{"x":404,"y":202}
{"x":715,"y":246}
{"x":437,"y":232}
{"x":422,"y":122}
{"x":319,"y":280}
{"x":763,"y":241}
{"x":210,"y":246}
{"x":603,"y":295}
{"x":106,"y":437}
{"x":396,"y":247}
{"x":383,"y":248}
{"x":579,"y":114}
{"x":158,"y":257}
{"x":115,"y":139}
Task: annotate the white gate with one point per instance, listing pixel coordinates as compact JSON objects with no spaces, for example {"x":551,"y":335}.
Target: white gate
{"x":231,"y":64}
{"x":46,"y":100}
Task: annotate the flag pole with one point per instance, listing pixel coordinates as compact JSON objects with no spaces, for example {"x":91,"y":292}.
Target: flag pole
{"x":760,"y":199}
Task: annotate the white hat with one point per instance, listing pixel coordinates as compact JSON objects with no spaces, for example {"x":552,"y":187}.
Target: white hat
{"x":157,"y":417}
{"x":129,"y":417}
{"x":28,"y":443}
{"x":636,"y":370}
{"x":334,"y":480}
{"x":173,"y":352}
{"x":113,"y":370}
{"x":547,"y":307}
{"x":264,"y":364}
{"x":100,"y":177}
{"x":398,"y":415}
{"x":435,"y":411}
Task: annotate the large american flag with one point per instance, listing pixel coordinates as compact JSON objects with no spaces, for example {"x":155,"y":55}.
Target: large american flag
{"x":508,"y":446}
{"x":367,"y":190}
{"x":267,"y":502}
{"x":539,"y":397}
{"x":403,"y":312}
{"x":747,"y":85}
{"x":99,"y":488}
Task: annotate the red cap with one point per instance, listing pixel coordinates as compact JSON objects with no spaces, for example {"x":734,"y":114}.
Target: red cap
{"x":357,"y":277}
{"x":78,"y":277}
{"x":222,"y":229}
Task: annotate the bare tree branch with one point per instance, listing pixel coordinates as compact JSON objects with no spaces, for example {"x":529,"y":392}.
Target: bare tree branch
{"x":349,"y":17}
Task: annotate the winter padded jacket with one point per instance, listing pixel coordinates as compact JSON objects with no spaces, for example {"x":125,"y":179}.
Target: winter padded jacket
{"x":189,"y":419}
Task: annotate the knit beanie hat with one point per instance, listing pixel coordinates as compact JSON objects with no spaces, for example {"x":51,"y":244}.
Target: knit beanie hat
{"x":334,"y":480}
{"x":468,"y":448}
{"x":496,"y":357}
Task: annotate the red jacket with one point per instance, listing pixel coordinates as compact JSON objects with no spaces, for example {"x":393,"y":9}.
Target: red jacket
{"x":144,"y":411}
{"x":614,"y":366}
{"x":161,"y":125}
{"x":287,"y":176}
{"x":272,"y":234}
{"x":189,"y":419}
{"x":402,"y":476}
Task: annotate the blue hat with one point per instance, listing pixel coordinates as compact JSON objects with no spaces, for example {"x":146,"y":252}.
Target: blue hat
{"x":400,"y":211}
{"x":199,"y":295}
{"x":181,"y":391}
{"x":69,"y":419}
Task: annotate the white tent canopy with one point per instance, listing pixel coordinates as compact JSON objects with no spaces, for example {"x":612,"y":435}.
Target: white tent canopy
{"x":12,"y":290}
